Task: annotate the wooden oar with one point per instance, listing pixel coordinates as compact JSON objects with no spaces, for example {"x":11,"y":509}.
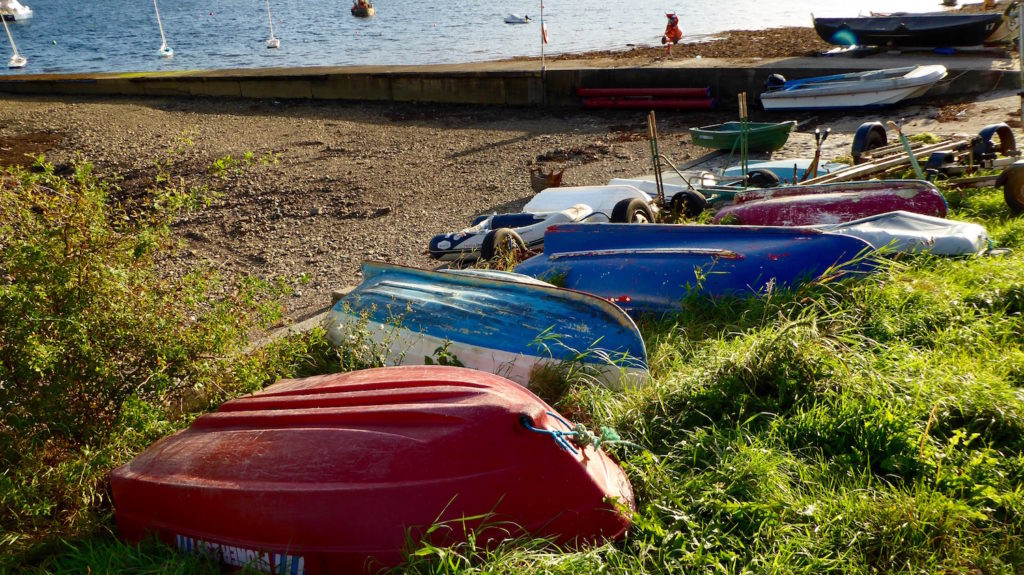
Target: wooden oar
{"x":652,"y":131}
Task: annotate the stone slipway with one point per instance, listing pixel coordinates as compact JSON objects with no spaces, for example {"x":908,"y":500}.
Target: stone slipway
{"x":514,"y":83}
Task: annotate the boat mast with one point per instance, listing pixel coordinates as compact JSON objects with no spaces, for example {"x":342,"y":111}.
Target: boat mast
{"x":17,"y":60}
{"x":270,"y":20}
{"x":271,"y":42}
{"x":165,"y":50}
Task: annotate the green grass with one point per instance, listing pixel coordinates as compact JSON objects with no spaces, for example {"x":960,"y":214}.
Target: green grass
{"x":872,"y":425}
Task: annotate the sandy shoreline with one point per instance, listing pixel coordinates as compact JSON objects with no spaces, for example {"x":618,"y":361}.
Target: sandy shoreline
{"x":312,"y":189}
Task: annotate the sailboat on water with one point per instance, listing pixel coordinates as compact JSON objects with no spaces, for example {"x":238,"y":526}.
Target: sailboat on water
{"x":165,"y":50}
{"x":13,"y":11}
{"x":17,"y":60}
{"x":272,"y":42}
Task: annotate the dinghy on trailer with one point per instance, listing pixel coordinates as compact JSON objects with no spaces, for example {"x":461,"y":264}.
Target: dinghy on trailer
{"x":570,"y":204}
{"x":494,"y":321}
{"x":339,"y":473}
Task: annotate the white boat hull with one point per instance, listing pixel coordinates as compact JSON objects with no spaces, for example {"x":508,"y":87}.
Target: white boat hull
{"x":15,"y":12}
{"x":864,"y":100}
{"x":872,"y":89}
{"x":600,"y":199}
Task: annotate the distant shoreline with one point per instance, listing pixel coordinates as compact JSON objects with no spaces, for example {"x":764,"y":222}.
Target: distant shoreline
{"x":785,"y":42}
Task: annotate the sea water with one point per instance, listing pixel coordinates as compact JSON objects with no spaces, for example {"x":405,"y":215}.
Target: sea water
{"x":68,"y":36}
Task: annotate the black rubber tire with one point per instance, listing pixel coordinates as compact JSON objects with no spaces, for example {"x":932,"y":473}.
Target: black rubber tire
{"x":938,"y":161}
{"x":1012,"y":180}
{"x":762,"y":179}
{"x":688,"y":203}
{"x":632,"y":211}
{"x":500,"y":243}
{"x":984,"y":147}
{"x":870,"y":135}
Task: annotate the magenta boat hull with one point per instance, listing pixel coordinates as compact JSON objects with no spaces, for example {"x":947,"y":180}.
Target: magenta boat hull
{"x":832,"y":203}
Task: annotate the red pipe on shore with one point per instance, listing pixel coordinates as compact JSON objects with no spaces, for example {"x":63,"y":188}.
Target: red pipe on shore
{"x":650,"y":103}
{"x":686,"y":93}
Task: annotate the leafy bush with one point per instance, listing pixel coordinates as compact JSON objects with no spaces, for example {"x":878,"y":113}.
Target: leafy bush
{"x":101,"y":351}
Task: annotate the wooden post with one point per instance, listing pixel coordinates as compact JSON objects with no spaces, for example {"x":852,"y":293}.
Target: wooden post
{"x":743,"y":133}
{"x":1020,"y":54}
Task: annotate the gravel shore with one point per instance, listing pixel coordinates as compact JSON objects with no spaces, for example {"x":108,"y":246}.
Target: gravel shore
{"x":311,"y":189}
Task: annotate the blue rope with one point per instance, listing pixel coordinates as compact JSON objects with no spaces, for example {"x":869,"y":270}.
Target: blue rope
{"x":558,"y":436}
{"x":579,"y":433}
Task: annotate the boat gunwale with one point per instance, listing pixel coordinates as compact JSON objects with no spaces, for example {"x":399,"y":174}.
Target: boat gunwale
{"x":758,"y":128}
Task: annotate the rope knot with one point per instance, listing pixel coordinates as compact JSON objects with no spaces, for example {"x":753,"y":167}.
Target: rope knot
{"x":577,"y":434}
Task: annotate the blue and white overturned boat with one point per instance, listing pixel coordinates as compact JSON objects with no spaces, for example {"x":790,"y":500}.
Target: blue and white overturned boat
{"x":499,"y":322}
{"x":652,"y":268}
{"x":872,"y":89}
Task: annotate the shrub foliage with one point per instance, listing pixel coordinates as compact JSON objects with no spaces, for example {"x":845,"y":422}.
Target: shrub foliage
{"x":102,"y":350}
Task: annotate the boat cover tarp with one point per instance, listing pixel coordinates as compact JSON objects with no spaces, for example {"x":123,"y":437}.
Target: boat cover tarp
{"x":909,"y":232}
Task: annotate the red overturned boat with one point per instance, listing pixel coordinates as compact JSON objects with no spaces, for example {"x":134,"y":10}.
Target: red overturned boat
{"x":832,"y":203}
{"x":335,"y":473}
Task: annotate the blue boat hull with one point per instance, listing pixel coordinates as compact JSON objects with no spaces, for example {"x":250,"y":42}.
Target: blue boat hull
{"x":918,"y":30}
{"x":492,"y":321}
{"x":651,"y":268}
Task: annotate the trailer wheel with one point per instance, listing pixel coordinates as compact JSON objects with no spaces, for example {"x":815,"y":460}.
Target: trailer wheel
{"x":632,"y":211}
{"x":501,"y":243}
{"x":762,"y":179}
{"x":984,"y":147}
{"x":688,"y":203}
{"x":870,"y":135}
{"x":1012,"y":180}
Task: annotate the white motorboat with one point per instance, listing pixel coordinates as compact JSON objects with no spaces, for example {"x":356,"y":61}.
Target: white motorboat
{"x":517,"y":19}
{"x":875,"y":88}
{"x":574,"y":204}
{"x":12,"y":10}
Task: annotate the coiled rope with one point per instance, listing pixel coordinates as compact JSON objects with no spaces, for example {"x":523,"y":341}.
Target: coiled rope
{"x":577,"y":435}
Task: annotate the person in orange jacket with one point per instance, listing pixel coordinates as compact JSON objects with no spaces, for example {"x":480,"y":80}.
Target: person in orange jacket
{"x":672,"y":33}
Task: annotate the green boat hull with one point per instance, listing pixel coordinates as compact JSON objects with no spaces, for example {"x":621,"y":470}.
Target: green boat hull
{"x":761,"y":137}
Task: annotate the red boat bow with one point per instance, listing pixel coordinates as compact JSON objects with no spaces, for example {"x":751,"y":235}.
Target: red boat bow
{"x":331,"y":474}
